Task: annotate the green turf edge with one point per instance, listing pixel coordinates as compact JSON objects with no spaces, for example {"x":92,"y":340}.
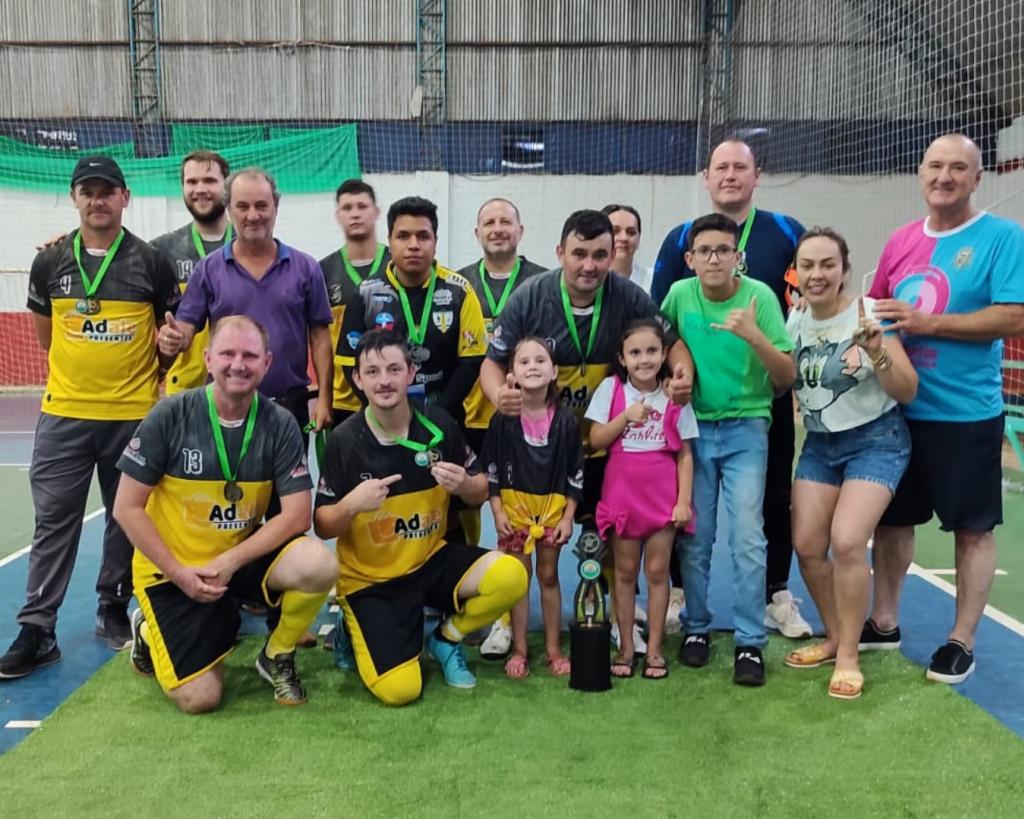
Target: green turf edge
{"x":693,"y":745}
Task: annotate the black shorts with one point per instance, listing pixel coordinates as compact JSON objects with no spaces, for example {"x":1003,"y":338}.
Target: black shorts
{"x":187,"y":638}
{"x":385,"y":620}
{"x":955,"y":472}
{"x":593,"y":477}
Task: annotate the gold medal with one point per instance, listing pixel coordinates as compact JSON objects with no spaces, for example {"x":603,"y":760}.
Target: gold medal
{"x":233,"y":492}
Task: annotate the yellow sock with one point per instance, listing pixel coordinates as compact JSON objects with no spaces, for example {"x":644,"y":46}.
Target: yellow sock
{"x":144,"y":632}
{"x":503,"y":585}
{"x":298,"y":610}
{"x":506,"y":619}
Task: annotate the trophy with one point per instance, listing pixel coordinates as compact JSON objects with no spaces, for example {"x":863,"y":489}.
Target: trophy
{"x":589,"y":630}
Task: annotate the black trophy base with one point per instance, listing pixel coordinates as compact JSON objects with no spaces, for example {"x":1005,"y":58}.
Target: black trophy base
{"x":589,"y":647}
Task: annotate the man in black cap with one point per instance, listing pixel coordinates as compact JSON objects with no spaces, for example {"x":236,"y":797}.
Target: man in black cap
{"x":97,"y":298}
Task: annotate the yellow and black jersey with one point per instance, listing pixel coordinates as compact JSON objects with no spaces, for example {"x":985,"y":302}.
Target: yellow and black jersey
{"x":478,"y":409}
{"x":173,"y":450}
{"x":410,"y":525}
{"x":179,"y":246}
{"x":102,"y":360}
{"x":536,"y":309}
{"x":454,"y":341}
{"x":341,"y":290}
{"x":534,"y":478}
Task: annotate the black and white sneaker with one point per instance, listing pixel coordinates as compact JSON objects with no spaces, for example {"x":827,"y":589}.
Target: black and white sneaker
{"x":951,"y":663}
{"x":748,"y":667}
{"x":872,"y":638}
{"x":112,"y":626}
{"x":141,"y":659}
{"x":280,"y":672}
{"x":34,"y":647}
{"x":695,"y":650}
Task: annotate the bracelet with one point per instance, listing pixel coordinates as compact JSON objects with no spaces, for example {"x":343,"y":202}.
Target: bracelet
{"x":882,"y":362}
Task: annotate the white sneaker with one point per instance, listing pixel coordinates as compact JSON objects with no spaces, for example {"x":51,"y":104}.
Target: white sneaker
{"x":498,"y":644}
{"x":783,"y":616}
{"x":674,"y":613}
{"x":639,"y":643}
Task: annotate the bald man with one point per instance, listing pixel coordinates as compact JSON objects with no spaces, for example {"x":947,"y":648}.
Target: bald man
{"x":952,"y":284}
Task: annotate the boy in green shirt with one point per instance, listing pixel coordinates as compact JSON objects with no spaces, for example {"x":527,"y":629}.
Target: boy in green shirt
{"x":737,"y":336}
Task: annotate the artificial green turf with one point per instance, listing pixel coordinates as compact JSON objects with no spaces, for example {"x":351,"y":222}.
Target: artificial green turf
{"x":692,"y":745}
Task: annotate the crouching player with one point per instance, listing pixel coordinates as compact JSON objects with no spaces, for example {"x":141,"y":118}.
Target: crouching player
{"x":389,"y":475}
{"x":197,"y":478}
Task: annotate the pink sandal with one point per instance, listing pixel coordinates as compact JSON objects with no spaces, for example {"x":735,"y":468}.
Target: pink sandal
{"x":559,"y":666}
{"x":516,"y":667}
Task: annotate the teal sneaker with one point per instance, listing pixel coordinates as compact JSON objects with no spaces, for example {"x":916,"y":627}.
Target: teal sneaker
{"x":344,"y":655}
{"x":452,"y":662}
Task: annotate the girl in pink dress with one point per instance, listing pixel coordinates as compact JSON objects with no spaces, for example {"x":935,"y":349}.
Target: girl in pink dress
{"x":645,"y":497}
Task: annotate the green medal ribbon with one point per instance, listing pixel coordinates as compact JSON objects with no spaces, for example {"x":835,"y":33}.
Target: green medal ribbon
{"x":741,"y":245}
{"x":319,"y":443}
{"x":415,"y":446}
{"x":417,"y":332}
{"x":92,"y":286}
{"x":353,"y":274}
{"x":231,"y":475}
{"x":197,"y":240}
{"x":570,"y":319}
{"x":509,"y":286}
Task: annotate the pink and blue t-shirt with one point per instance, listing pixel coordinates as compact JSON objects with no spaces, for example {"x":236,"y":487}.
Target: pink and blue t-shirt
{"x":969,"y":268}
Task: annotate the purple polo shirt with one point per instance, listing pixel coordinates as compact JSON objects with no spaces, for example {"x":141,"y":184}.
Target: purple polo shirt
{"x":289,"y":299}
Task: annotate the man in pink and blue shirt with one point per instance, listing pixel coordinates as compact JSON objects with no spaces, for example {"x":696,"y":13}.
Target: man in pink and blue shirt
{"x":953,"y":285}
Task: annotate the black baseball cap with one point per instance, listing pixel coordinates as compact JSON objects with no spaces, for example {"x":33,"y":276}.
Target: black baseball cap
{"x":97,"y":167}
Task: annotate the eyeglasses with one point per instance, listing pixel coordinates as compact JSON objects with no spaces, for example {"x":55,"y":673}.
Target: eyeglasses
{"x":703,"y":252}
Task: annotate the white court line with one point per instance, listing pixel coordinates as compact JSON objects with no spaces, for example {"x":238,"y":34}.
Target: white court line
{"x":19,"y":466}
{"x":17,"y":432}
{"x":27,"y":549}
{"x":952,"y":572}
{"x":22,"y":723}
{"x":928,"y":576}
{"x":325,"y":629}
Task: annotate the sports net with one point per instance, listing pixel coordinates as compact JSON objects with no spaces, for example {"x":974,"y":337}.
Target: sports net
{"x":460,"y":100}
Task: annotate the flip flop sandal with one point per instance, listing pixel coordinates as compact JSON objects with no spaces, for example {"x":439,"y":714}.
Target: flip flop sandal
{"x":812,"y":656}
{"x":516,"y":667}
{"x":655,"y":668}
{"x":620,"y":663}
{"x":846,"y":685}
{"x":559,"y":666}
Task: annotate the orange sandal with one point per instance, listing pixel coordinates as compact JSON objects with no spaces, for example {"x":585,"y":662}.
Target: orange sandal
{"x":845,"y":684}
{"x":812,"y":656}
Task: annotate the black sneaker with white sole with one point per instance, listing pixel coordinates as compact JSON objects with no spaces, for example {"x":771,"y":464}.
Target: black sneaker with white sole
{"x":34,"y":647}
{"x":748,"y":667}
{"x":872,"y":638}
{"x":141,"y":659}
{"x":112,"y":626}
{"x":695,"y":650}
{"x":280,"y":672}
{"x":951,"y":663}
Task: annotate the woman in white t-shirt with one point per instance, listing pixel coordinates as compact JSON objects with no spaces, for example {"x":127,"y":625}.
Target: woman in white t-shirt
{"x":850,"y":377}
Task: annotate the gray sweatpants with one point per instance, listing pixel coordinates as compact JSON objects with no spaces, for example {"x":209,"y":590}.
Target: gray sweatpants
{"x":63,"y":457}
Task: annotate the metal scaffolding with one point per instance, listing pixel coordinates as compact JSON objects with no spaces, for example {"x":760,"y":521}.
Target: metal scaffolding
{"x":144,"y":52}
{"x":715,"y":78}
{"x":432,"y":78}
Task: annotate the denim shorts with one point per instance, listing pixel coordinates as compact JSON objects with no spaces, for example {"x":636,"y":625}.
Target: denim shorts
{"x":877,"y":451}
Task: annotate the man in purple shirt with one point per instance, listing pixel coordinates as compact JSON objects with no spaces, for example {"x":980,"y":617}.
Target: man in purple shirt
{"x":280,"y":287}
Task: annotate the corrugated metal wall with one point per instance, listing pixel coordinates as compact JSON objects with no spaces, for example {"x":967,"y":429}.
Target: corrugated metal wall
{"x":586,"y":60}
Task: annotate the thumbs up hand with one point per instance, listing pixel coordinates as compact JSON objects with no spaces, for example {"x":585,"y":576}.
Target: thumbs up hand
{"x":170,"y":337}
{"x":637,"y":412}
{"x":510,"y":397}
{"x":680,"y":386}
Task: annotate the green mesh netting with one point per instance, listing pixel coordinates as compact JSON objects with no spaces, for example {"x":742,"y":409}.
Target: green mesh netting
{"x":301,"y":160}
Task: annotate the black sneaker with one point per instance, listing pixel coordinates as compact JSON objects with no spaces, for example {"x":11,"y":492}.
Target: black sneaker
{"x":872,"y":638}
{"x":34,"y":647}
{"x":280,"y":672}
{"x":112,"y":626}
{"x":748,"y":667}
{"x":142,"y":660}
{"x":695,"y":650}
{"x":951,"y":664}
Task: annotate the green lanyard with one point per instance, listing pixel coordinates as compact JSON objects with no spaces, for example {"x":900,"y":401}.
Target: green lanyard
{"x":319,"y":443}
{"x":231,"y":488}
{"x":92,"y":286}
{"x":353,"y":274}
{"x":570,"y":319}
{"x":416,"y":332}
{"x":197,"y":240}
{"x":426,"y":455}
{"x":509,"y":285}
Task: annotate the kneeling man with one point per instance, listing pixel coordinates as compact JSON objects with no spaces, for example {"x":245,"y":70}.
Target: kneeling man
{"x":389,"y":475}
{"x":197,"y":478}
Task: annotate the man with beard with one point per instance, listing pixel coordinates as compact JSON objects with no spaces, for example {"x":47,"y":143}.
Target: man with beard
{"x":202,"y":187}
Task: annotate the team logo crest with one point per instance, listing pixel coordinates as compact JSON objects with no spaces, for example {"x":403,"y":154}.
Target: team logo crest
{"x":442,"y":298}
{"x":443,"y":319}
{"x":387,"y":321}
{"x":964,"y":256}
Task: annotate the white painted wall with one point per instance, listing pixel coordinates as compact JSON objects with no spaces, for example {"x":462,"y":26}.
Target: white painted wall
{"x":865,"y":209}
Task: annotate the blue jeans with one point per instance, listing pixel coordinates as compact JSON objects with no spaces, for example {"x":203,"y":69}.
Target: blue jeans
{"x":729,"y":462}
